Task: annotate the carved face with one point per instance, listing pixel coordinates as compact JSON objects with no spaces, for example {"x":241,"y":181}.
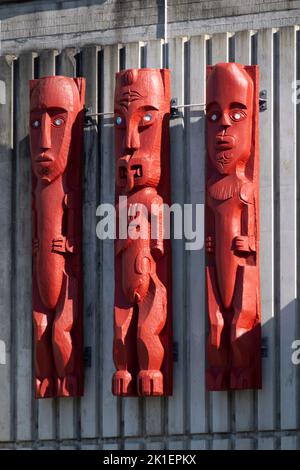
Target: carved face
{"x":54,"y":105}
{"x":140,"y":106}
{"x":229,"y":112}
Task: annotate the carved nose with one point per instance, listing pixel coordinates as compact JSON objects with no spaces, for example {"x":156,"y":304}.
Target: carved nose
{"x":45,"y":142}
{"x":132,"y":138}
{"x":225,"y":120}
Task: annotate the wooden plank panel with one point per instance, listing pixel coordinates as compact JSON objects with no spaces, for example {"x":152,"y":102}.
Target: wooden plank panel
{"x":89,"y":447}
{"x":220,"y":400}
{"x":130,"y":445}
{"x":266,"y":396}
{"x":243,"y":444}
{"x":175,"y":445}
{"x":132,"y":51}
{"x":243,"y":47}
{"x":47,"y":63}
{"x":244,"y":398}
{"x":110,"y":418}
{"x":6,"y":183}
{"x":288,"y":235}
{"x":22,"y":287}
{"x":131,"y":406}
{"x":67,"y":406}
{"x":290,"y":443}
{"x":198,"y":444}
{"x":66,"y":62}
{"x":110,"y":446}
{"x":153,"y":406}
{"x":221,"y":444}
{"x":195,"y":259}
{"x":220,"y":48}
{"x":90,"y":400}
{"x":154,"y":53}
{"x":153,"y":416}
{"x":69,"y":447}
{"x":176,"y":402}
{"x":46,"y":408}
{"x":159,"y":445}
{"x":265,"y":443}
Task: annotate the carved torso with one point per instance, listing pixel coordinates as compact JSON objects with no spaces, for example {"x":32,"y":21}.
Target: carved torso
{"x":137,"y":260}
{"x":227,"y":198}
{"x":49,"y":265}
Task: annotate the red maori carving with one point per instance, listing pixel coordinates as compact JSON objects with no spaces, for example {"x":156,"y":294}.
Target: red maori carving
{"x":232,"y":228}
{"x":56,"y":136}
{"x":142,"y":327}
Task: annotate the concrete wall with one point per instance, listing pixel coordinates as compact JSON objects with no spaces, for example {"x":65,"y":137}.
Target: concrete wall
{"x":43,"y":24}
{"x":192,"y":418}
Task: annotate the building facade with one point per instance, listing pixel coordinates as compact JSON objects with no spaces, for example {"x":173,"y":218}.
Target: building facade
{"x":95,"y":39}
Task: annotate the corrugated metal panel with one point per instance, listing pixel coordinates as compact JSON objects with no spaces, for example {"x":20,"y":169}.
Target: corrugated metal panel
{"x":192,"y":418}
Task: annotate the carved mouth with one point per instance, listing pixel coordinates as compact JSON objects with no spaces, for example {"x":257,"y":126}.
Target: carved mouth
{"x":43,"y":159}
{"x":137,"y":169}
{"x":224,"y":142}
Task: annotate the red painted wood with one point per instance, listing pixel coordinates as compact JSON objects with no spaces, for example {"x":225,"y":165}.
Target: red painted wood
{"x":56,"y":139}
{"x":232,"y":228}
{"x":142,"y":329}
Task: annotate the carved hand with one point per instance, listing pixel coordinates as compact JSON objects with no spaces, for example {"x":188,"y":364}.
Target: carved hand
{"x":244,"y":243}
{"x":157,"y":248}
{"x":63,"y":245}
{"x":210,"y":244}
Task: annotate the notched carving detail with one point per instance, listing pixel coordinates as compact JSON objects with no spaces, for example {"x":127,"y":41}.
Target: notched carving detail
{"x":142,"y":315}
{"x":56,"y":138}
{"x":232,"y":228}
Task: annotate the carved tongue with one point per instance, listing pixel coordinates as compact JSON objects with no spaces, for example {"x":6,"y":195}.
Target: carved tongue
{"x":130,"y":181}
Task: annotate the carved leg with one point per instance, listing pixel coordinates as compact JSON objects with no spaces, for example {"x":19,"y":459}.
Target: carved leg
{"x":43,"y":358}
{"x":245,"y":331}
{"x":152,"y":318}
{"x":217,"y":373}
{"x":63,"y":348}
{"x":122,"y":383}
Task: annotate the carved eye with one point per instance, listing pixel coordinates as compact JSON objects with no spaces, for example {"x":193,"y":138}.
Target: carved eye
{"x":238,"y":116}
{"x":147,"y":118}
{"x":58,"y":122}
{"x":213,"y":117}
{"x":36,"y":124}
{"x":118,"y":120}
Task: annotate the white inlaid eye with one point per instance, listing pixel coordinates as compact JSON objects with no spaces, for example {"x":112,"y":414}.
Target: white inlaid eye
{"x":214,"y":117}
{"x":36,"y":124}
{"x":237,"y":116}
{"x":119,"y":120}
{"x":147,"y":117}
{"x":58,"y":122}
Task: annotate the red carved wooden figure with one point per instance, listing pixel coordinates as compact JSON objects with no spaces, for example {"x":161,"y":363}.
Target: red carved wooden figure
{"x":232,"y":228}
{"x":56,"y":137}
{"x":142,"y":327}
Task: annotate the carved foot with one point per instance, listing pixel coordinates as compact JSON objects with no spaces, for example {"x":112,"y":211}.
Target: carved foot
{"x":217,"y":379}
{"x":67,"y":386}
{"x":122,"y":383}
{"x":44,"y":388}
{"x":150,"y":383}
